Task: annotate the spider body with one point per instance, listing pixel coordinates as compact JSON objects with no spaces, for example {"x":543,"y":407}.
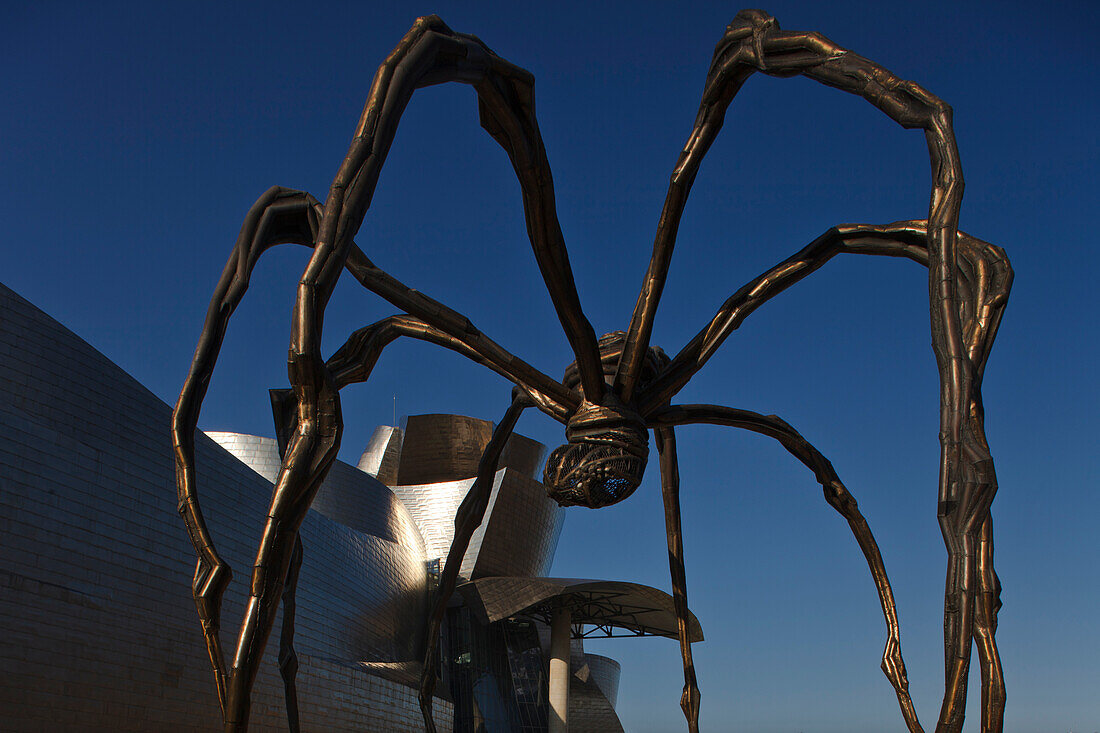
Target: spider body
{"x":608,"y":445}
{"x":619,"y":388}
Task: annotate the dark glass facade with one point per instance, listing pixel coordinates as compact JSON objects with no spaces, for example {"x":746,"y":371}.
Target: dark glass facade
{"x":495,"y":674}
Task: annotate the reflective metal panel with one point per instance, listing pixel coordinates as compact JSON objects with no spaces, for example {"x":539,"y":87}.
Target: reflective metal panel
{"x":589,"y":710}
{"x":382,"y":456}
{"x":605,"y":673}
{"x":441,"y":448}
{"x":521,"y":531}
{"x":95,"y":569}
{"x":348,"y":495}
{"x":518,"y":536}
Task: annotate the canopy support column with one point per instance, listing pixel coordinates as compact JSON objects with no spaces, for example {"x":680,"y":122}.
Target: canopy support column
{"x":559,"y":670}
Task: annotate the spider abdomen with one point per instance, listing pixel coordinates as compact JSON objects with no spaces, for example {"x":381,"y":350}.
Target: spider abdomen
{"x":603,"y":461}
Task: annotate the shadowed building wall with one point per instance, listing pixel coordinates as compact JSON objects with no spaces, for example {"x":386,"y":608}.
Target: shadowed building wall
{"x":95,"y":565}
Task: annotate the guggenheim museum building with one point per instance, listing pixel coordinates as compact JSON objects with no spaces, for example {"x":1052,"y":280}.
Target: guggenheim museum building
{"x":100,"y":630}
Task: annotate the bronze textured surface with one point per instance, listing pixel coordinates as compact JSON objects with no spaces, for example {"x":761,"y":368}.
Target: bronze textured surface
{"x":442,"y":448}
{"x":607,"y":423}
{"x":448,"y":447}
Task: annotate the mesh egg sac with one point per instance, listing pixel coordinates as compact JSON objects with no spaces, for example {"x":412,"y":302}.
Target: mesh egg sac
{"x":592,"y":473}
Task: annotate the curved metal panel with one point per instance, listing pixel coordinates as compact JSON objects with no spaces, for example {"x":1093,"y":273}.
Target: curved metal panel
{"x":382,"y":456}
{"x":348,"y":495}
{"x":521,"y":531}
{"x":589,"y":710}
{"x":376,"y":612}
{"x":95,"y":570}
{"x":638,"y":608}
{"x":440,"y":448}
{"x":523,"y":455}
{"x":605,"y":673}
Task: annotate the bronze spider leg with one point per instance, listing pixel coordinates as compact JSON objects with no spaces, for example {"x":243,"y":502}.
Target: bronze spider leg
{"x":281,"y":215}
{"x":670,"y":492}
{"x":838,"y":497}
{"x":430,"y":53}
{"x":984,"y":283}
{"x":469,"y":517}
{"x":353,"y":362}
{"x":753,"y":42}
{"x":278,"y":216}
{"x":288,"y":659}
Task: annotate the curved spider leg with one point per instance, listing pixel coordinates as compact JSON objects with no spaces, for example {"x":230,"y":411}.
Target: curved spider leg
{"x":280,"y":215}
{"x":431,"y":53}
{"x":893,"y":665}
{"x":670,"y":491}
{"x":286,"y":216}
{"x":283,"y":408}
{"x":972,"y":596}
{"x":309,"y":455}
{"x":985,"y":280}
{"x":288,"y":659}
{"x":753,"y":42}
{"x":352,"y":363}
{"x":470,"y":514}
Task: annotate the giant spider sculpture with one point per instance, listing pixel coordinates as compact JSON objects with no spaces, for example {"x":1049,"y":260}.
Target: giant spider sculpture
{"x":619,"y":387}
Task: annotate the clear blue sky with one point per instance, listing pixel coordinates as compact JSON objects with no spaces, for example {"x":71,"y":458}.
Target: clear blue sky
{"x":135,"y":137}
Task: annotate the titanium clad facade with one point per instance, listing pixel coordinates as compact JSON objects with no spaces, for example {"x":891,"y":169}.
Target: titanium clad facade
{"x":518,"y":537}
{"x":385,"y":622}
{"x":348,"y":495}
{"x":521,"y":533}
{"x":382,"y":456}
{"x":95,"y":565}
{"x":440,"y":448}
{"x":100,"y":631}
{"x":605,"y":673}
{"x":433,"y":508}
{"x":589,"y":710}
{"x":522,"y":526}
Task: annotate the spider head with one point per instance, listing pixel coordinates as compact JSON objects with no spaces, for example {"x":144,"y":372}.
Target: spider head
{"x":608,"y":446}
{"x":603,"y":461}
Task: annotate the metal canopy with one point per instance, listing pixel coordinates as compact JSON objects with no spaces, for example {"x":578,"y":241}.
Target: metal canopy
{"x":604,"y":604}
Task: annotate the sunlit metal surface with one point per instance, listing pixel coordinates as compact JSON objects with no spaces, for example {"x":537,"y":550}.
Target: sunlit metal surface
{"x":384,"y":623}
{"x":518,"y":536}
{"x":382,"y":454}
{"x":347,"y":495}
{"x":95,"y":569}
